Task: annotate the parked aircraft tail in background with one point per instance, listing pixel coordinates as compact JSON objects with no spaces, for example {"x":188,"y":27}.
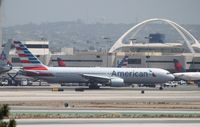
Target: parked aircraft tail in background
{"x":123,"y":62}
{"x":61,"y":62}
{"x":178,"y":66}
{"x":5,"y":65}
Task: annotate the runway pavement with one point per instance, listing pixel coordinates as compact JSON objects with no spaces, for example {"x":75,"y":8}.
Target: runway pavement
{"x":108,"y":122}
{"x":108,"y":101}
{"x":171,"y":111}
{"x":99,"y":95}
{"x":102,"y":99}
{"x":72,"y":88}
{"x":123,"y":101}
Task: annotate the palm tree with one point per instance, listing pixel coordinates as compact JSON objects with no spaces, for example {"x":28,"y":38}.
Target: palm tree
{"x":4,"y":112}
{"x":12,"y":123}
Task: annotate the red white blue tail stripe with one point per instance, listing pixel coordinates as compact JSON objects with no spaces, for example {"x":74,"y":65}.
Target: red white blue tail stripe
{"x":28,"y":60}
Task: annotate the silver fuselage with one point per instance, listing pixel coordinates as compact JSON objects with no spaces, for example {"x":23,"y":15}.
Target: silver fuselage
{"x":129,"y":75}
{"x":188,"y":75}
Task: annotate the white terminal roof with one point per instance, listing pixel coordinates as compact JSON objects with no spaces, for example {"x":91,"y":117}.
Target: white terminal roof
{"x":186,"y":35}
{"x":156,"y":45}
{"x":37,"y":42}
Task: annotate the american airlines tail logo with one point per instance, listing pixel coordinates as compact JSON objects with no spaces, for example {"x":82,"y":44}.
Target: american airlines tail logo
{"x":28,"y":60}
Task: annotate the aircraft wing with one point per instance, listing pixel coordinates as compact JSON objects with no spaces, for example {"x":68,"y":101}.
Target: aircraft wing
{"x":4,"y":69}
{"x":35,"y":73}
{"x":28,"y":73}
{"x":97,"y":78}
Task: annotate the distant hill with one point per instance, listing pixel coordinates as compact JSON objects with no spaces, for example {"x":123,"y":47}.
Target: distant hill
{"x":83,"y":36}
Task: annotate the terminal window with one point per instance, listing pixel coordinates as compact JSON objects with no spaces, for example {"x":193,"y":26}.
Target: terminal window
{"x":15,"y":60}
{"x":37,"y":46}
{"x":134,"y":61}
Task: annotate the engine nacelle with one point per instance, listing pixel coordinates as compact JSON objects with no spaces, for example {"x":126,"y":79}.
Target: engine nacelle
{"x":117,"y":82}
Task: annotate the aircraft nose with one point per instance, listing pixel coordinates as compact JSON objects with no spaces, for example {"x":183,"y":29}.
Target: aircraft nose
{"x":171,"y":76}
{"x":176,"y":75}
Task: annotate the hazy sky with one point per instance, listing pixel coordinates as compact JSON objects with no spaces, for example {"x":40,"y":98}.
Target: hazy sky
{"x":115,"y":11}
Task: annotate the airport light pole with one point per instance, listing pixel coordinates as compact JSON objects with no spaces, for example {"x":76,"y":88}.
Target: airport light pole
{"x":148,"y":55}
{"x":107,"y":40}
{"x":1,"y":23}
{"x":132,"y":40}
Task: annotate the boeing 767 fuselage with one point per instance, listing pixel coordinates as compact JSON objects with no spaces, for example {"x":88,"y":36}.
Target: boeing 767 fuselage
{"x":112,"y":76}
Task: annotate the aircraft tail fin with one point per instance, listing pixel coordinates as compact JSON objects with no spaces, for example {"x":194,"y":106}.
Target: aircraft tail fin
{"x":5,"y":53}
{"x":178,"y":66}
{"x":27,"y":59}
{"x":61,"y":62}
{"x":123,"y":62}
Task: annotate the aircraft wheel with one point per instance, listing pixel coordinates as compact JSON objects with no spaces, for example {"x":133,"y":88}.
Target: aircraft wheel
{"x":94,"y":86}
{"x":161,"y":88}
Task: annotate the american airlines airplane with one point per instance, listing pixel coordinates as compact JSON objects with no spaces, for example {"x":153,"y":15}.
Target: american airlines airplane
{"x":5,"y":65}
{"x":181,"y":74}
{"x":115,"y":77}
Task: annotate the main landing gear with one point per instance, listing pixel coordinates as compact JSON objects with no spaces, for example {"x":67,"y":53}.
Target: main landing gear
{"x":93,"y":86}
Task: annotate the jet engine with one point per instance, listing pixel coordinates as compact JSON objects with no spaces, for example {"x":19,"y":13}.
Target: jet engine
{"x":117,"y":82}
